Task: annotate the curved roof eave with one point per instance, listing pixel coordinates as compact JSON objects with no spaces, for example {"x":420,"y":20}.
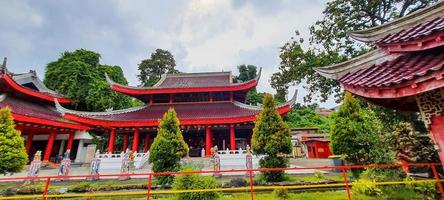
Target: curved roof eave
{"x":82,"y":117}
{"x":375,"y":33}
{"x":131,"y":90}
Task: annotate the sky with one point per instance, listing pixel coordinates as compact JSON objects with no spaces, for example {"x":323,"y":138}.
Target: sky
{"x":203,"y":35}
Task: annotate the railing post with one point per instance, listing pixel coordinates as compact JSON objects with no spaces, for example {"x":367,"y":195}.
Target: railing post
{"x":45,"y":191}
{"x":150,"y":178}
{"x":435,"y":173}
{"x":344,"y":174}
{"x":250,"y":172}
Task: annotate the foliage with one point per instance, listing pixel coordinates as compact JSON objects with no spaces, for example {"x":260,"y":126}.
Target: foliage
{"x":366,"y":187}
{"x":411,"y":145}
{"x":168,"y":147}
{"x":195,"y":182}
{"x":428,"y":189}
{"x":151,"y":69}
{"x":319,"y":175}
{"x":391,"y":118}
{"x":383,"y":174}
{"x":329,"y":42}
{"x":246,"y":73}
{"x":236,"y":182}
{"x":271,"y":137}
{"x":79,"y":75}
{"x":355,"y":133}
{"x":281,"y":193}
{"x":12,"y":149}
{"x":254,"y":98}
{"x":307,"y":117}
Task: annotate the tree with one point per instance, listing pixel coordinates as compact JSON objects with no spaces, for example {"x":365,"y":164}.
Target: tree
{"x":355,"y":133}
{"x":246,"y":73}
{"x":307,"y":117}
{"x":411,"y":146}
{"x":168,"y":147}
{"x":12,"y":148}
{"x":329,"y":43}
{"x":151,"y":69}
{"x":271,"y":137}
{"x":79,"y":75}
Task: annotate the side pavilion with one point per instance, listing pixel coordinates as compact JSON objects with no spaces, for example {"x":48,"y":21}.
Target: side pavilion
{"x":405,"y":70}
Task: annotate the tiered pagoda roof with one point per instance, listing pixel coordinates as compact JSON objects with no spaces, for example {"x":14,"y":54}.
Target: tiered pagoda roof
{"x":408,"y":60}
{"x":196,"y":113}
{"x":188,"y":83}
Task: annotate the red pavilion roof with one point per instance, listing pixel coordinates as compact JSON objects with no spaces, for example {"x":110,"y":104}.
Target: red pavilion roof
{"x":188,"y":113}
{"x":9,"y":84}
{"x":26,"y":111}
{"x":187,"y":83}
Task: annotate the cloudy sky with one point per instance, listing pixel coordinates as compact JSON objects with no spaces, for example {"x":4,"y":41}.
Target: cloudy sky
{"x":203,"y":35}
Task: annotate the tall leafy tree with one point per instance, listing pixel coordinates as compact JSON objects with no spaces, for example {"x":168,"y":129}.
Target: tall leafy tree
{"x":246,"y":73}
{"x":355,"y":133}
{"x":329,"y":42}
{"x":168,"y":147}
{"x":307,"y":117}
{"x":12,"y":149}
{"x":80,"y":76}
{"x":271,"y":137}
{"x":151,"y":69}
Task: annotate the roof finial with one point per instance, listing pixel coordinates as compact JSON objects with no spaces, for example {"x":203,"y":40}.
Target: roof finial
{"x":4,"y":62}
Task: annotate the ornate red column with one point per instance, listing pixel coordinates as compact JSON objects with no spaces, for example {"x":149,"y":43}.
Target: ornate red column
{"x":437,"y":131}
{"x":136,"y":139}
{"x":125,"y":141}
{"x":29,"y":142}
{"x":208,"y":141}
{"x":70,"y":141}
{"x":146,"y":147}
{"x":232,"y":137}
{"x":49,"y":145}
{"x":112,"y":137}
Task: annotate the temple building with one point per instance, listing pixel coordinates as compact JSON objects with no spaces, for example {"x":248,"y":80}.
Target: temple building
{"x":404,"y":71}
{"x":210,"y":107}
{"x":33,"y":109}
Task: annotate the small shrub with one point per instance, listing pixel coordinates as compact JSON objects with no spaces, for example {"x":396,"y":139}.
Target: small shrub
{"x":428,"y":189}
{"x":281,"y":193}
{"x":237,"y":182}
{"x":383,"y":174}
{"x":30,"y":189}
{"x":193,"y":182}
{"x":319,"y":175}
{"x":273,"y":162}
{"x":366,"y":187}
{"x":81,"y":187}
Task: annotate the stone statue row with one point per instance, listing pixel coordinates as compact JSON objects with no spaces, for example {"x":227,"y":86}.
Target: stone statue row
{"x":127,"y":166}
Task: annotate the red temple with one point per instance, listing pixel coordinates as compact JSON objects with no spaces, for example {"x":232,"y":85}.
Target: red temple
{"x":32,"y":106}
{"x":210,"y":107}
{"x":405,"y":71}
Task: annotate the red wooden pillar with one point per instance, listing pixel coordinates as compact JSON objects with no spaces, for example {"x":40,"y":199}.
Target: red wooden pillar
{"x":232,"y":137}
{"x":136,"y":139}
{"x":49,"y":145}
{"x":125,"y":141}
{"x":70,"y":141}
{"x":151,"y":100}
{"x":112,"y":137}
{"x":437,"y":130}
{"x":211,"y":96}
{"x":171,"y":98}
{"x":208,"y":141}
{"x":231,"y":96}
{"x":29,"y":142}
{"x":146,"y":147}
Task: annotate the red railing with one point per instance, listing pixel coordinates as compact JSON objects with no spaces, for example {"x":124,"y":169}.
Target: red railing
{"x":249,"y":172}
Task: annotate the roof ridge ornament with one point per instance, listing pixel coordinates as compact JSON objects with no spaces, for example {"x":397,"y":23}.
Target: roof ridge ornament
{"x":3,"y":68}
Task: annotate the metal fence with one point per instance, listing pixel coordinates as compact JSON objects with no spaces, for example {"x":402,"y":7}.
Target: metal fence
{"x":251,"y":189}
